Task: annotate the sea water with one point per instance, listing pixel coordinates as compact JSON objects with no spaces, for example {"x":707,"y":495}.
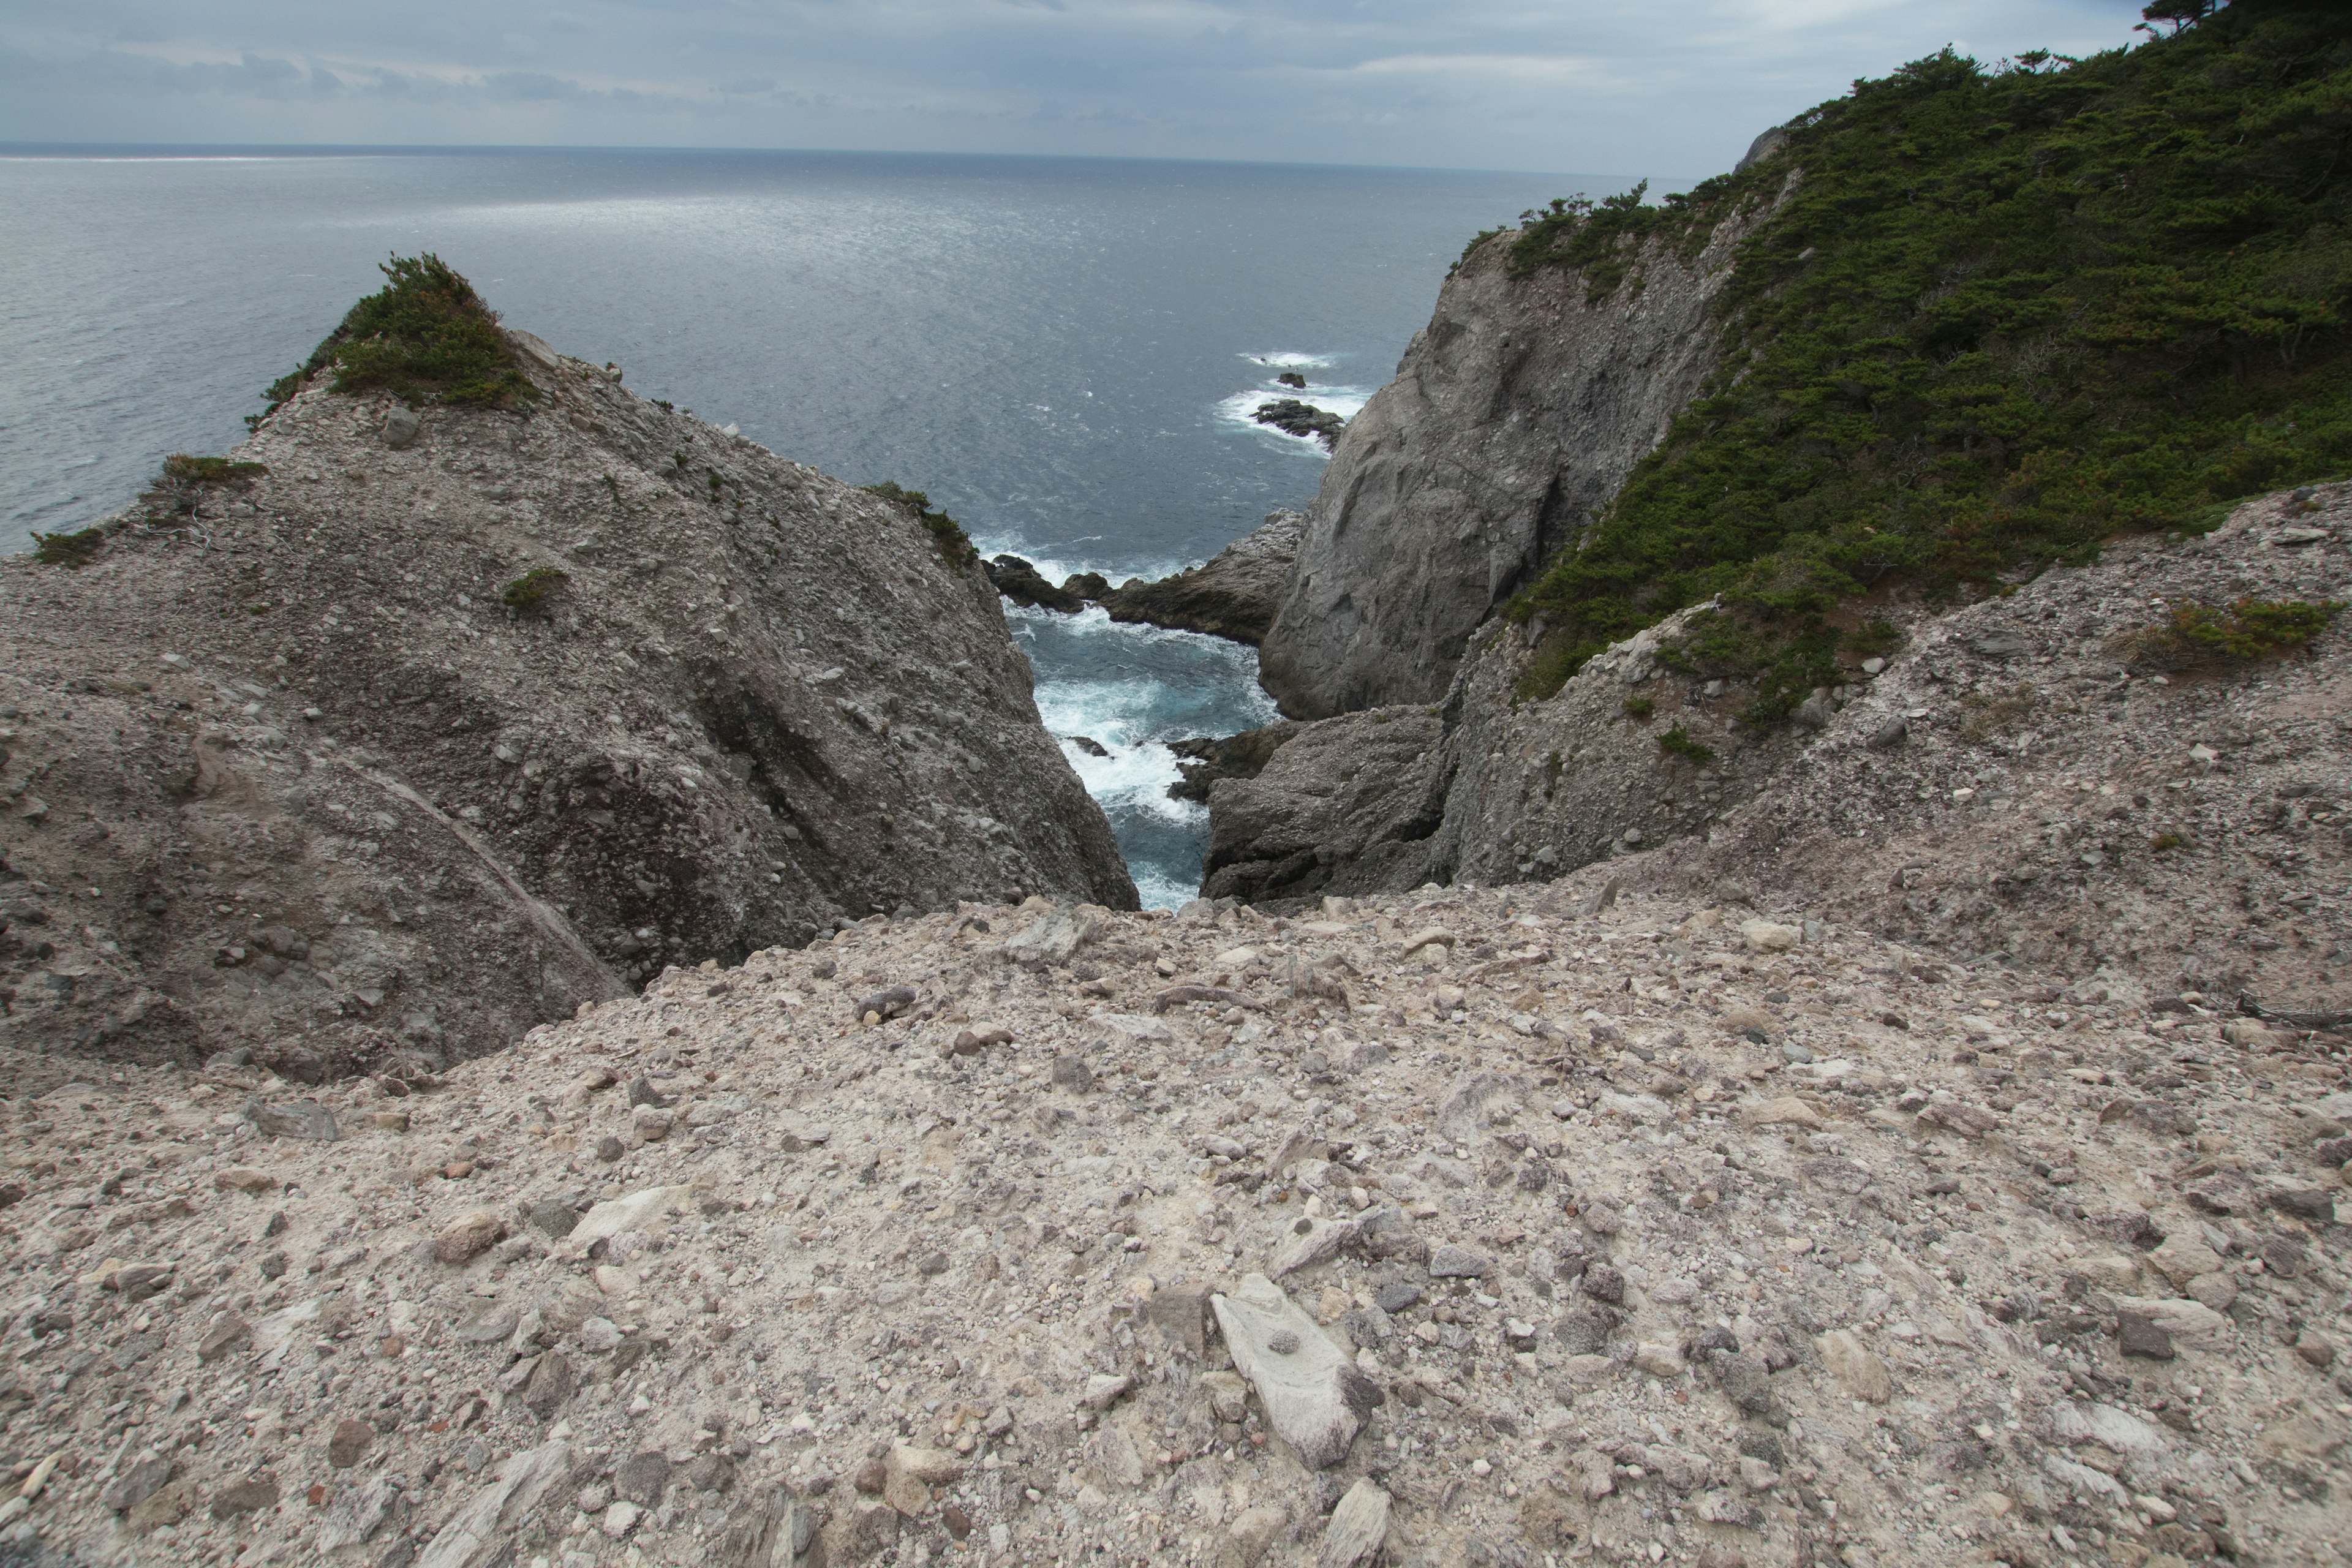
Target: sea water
{"x":1064,"y":352}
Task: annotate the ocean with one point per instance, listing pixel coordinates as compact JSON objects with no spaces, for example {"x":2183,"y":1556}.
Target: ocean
{"x":1062,"y":352}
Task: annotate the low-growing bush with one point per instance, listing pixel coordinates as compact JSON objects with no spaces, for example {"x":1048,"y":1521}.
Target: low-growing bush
{"x":1638,"y":707}
{"x":1679,"y":742}
{"x":78,"y":549}
{"x":2194,"y":633}
{"x":528,"y":593}
{"x":426,"y":336}
{"x":946,"y":532}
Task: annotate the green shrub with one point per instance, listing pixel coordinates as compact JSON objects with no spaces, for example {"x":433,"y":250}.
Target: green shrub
{"x":946,"y":532}
{"x":2165,"y":843}
{"x":528,"y":593}
{"x":425,"y":337}
{"x":2195,"y":633}
{"x":68,"y":549}
{"x":1678,"y":743}
{"x":1638,"y":707}
{"x":2003,"y":315}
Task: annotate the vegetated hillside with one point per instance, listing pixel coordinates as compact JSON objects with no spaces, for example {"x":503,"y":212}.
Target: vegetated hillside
{"x":2003,"y":315}
{"x":473,"y":687}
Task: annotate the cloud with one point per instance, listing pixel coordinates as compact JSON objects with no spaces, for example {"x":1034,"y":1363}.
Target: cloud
{"x":1675,"y":87}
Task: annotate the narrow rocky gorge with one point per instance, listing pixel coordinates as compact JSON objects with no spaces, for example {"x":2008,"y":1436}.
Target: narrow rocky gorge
{"x":1472,"y":1227}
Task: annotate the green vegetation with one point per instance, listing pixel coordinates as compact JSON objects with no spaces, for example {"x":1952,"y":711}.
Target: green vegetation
{"x":425,"y":337}
{"x":946,"y":532}
{"x":527,"y":595}
{"x":1678,"y":743}
{"x":184,"y":472}
{"x":1638,"y":707}
{"x":68,"y":549}
{"x":2165,"y":843}
{"x":2200,"y":634}
{"x":2001,"y":315}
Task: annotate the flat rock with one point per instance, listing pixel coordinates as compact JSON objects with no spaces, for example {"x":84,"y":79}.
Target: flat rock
{"x":1314,"y":1397}
{"x":1353,"y":1534}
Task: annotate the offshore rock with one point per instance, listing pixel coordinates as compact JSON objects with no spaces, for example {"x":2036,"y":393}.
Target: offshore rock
{"x":1234,"y":595}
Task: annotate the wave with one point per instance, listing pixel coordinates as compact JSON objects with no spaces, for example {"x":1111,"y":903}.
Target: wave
{"x":1283,"y":359}
{"x":1242,"y":408}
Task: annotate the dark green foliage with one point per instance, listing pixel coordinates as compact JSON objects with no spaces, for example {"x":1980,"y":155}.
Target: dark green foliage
{"x":1678,"y":743}
{"x":185,"y":472}
{"x":1639,"y":707}
{"x":946,"y":532}
{"x":425,"y":337}
{"x":2165,"y":843}
{"x":715,"y":483}
{"x":2200,"y":634}
{"x":68,"y":549}
{"x":613,"y":485}
{"x":2002,"y":316}
{"x":1873,"y":639}
{"x":528,"y":593}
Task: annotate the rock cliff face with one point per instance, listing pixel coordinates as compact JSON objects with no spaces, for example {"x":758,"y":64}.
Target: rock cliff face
{"x":441,"y":725}
{"x":1518,"y":410}
{"x":2003,"y":784}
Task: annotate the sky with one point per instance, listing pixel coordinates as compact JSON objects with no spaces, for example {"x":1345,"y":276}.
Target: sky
{"x":1669,"y":86}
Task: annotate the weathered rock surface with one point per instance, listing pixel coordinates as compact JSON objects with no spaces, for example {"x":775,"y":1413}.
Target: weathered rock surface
{"x":2156,"y":834}
{"x":1233,"y":595}
{"x":1515,"y":413}
{"x":280,"y":771}
{"x":1621,"y":1231}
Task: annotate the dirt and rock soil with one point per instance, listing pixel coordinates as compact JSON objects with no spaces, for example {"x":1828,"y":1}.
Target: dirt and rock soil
{"x":2038,"y":778}
{"x":439,"y":722}
{"x":1512,"y":1227}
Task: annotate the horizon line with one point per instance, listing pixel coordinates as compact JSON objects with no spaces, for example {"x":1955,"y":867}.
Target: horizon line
{"x":11,"y":149}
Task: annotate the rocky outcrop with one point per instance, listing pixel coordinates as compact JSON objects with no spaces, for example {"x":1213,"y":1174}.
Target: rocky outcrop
{"x":448,"y":721}
{"x":1214,"y":1237}
{"x":2001,"y":783}
{"x":1021,"y":582}
{"x":1234,"y":595}
{"x":1516,"y":413}
{"x":1205,"y":759}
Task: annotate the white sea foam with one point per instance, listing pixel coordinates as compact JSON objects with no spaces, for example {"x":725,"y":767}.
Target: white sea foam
{"x":1241,"y":408}
{"x":1284,"y":359}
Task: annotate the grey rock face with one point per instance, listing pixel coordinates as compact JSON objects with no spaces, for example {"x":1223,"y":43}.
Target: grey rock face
{"x":1234,"y":595}
{"x":1313,"y":1396}
{"x":754,"y":703}
{"x":1515,"y":415}
{"x":1344,"y":806}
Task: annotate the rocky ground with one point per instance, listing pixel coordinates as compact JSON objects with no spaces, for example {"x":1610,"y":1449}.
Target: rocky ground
{"x":434,"y":725}
{"x":1506,"y":1227}
{"x":2014,"y":777}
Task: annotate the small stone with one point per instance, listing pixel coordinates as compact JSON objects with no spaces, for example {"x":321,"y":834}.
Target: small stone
{"x":296,"y":1119}
{"x":2216,"y":1290}
{"x":1858,"y":1370}
{"x":643,"y":1477}
{"x":554,"y":1219}
{"x":2315,"y":1348}
{"x":1356,"y":1527}
{"x":598,"y":1335}
{"x":609,"y":1148}
{"x":1282,"y":1342}
{"x":1252,"y":1531}
{"x":350,"y":1443}
{"x":1103,"y":1390}
{"x":243,"y":1179}
{"x":1396,"y":1296}
{"x":652,"y":1125}
{"x":227,"y":1333}
{"x":400,"y":428}
{"x":469,"y":1236}
{"x":642,"y":1092}
{"x":550,"y":1386}
{"x":1451,"y":1261}
{"x":1602,"y":1282}
{"x":1072,"y":1073}
{"x":620,"y":1518}
{"x":250,"y":1495}
{"x":1768,"y":936}
{"x":2139,"y":1334}
{"x":137,"y":1484}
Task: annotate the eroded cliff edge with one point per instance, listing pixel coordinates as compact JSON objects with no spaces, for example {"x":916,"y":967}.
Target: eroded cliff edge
{"x":1514,"y":416}
{"x":442,"y":722}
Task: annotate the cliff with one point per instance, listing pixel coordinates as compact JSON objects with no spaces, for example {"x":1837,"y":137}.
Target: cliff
{"x":1515,"y":415}
{"x":433,"y":723}
{"x":1233,"y":595}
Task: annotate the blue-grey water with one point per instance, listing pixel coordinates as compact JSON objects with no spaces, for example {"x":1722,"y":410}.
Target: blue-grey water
{"x":1064,"y":352}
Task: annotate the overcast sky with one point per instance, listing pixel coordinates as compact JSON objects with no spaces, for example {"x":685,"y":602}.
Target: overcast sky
{"x":1670,"y":88}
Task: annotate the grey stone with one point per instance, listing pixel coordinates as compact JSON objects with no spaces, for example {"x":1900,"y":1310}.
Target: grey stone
{"x":553,"y":1217}
{"x":1313,"y":1396}
{"x":400,"y":428}
{"x":643,"y":1477}
{"x":1396,"y":1296}
{"x":1451,"y":1261}
{"x":294,"y":1119}
{"x":1353,"y":1534}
